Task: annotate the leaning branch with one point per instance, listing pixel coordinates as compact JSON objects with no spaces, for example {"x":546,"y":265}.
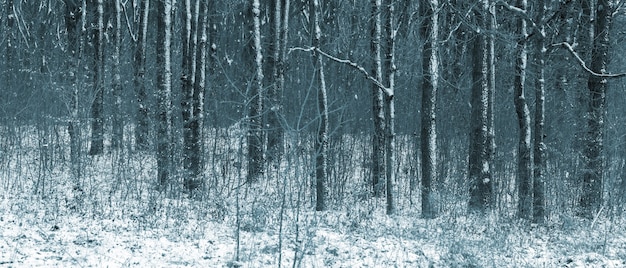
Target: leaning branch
{"x":350,"y":63}
{"x":582,"y":62}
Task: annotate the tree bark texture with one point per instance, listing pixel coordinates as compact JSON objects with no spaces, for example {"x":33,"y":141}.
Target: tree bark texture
{"x":378,"y":113}
{"x":278,"y":18}
{"x":479,"y":172}
{"x":430,"y":72}
{"x":97,"y":106}
{"x":139,"y":63}
{"x":193,"y":86}
{"x":390,"y":70}
{"x":73,"y":17}
{"x":255,"y":116}
{"x":524,"y":163}
{"x":321,"y":141}
{"x":163,"y":94}
{"x":118,"y":123}
{"x":591,"y":199}
{"x":539,"y":146}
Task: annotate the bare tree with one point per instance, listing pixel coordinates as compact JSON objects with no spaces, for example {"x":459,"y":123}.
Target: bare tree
{"x":593,"y":176}
{"x":390,"y":70}
{"x":378,"y":140}
{"x":193,"y":86}
{"x":321,"y":141}
{"x":197,"y":143}
{"x":539,"y":146}
{"x":73,"y":17}
{"x":164,"y":83}
{"x":430,"y":72}
{"x":139,"y":64}
{"x":524,"y":163}
{"x":255,"y":135}
{"x":118,"y":123}
{"x":480,"y":174}
{"x":97,"y":106}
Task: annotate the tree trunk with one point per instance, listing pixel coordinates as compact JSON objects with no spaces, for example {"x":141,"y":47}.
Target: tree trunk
{"x":591,"y":199}
{"x":479,"y":170}
{"x":378,"y":141}
{"x":430,"y":73}
{"x":97,"y":106}
{"x":321,"y":142}
{"x":118,"y":123}
{"x":279,"y":18}
{"x":390,"y":69}
{"x":524,"y":163}
{"x":540,"y":117}
{"x":139,"y":64}
{"x":255,"y":135}
{"x":164,"y":83}
{"x":197,"y":124}
{"x":72,"y":18}
{"x":193,"y":79}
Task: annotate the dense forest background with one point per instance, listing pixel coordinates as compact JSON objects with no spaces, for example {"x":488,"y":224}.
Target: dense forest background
{"x":251,"y":110}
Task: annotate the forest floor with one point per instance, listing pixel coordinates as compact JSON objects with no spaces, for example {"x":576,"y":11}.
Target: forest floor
{"x":118,"y":219}
{"x":36,"y":233}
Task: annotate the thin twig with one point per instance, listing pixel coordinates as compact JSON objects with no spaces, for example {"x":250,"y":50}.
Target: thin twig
{"x":582,"y":62}
{"x":350,"y":63}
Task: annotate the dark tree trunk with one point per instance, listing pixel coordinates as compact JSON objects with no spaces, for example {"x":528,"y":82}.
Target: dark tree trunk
{"x":97,"y":106}
{"x":539,"y":160}
{"x":73,"y":17}
{"x":430,"y":72}
{"x":591,"y":199}
{"x":378,"y":140}
{"x":142,"y":128}
{"x":197,"y":123}
{"x":479,"y":173}
{"x":321,"y":141}
{"x":164,"y":83}
{"x":524,"y":163}
{"x":255,"y":133}
{"x":279,"y":18}
{"x":193,"y":83}
{"x":118,"y":123}
{"x":390,"y":69}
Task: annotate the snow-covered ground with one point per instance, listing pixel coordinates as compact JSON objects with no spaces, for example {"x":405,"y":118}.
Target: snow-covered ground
{"x":33,"y":236}
{"x":119,"y":220}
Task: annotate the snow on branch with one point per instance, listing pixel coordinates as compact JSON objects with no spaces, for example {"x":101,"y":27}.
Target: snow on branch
{"x":582,"y":62}
{"x":520,"y":12}
{"x":350,"y":63}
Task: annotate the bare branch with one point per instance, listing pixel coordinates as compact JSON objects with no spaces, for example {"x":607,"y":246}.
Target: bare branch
{"x":582,"y":62}
{"x":130,"y":29}
{"x":518,"y":11}
{"x":350,"y":63}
